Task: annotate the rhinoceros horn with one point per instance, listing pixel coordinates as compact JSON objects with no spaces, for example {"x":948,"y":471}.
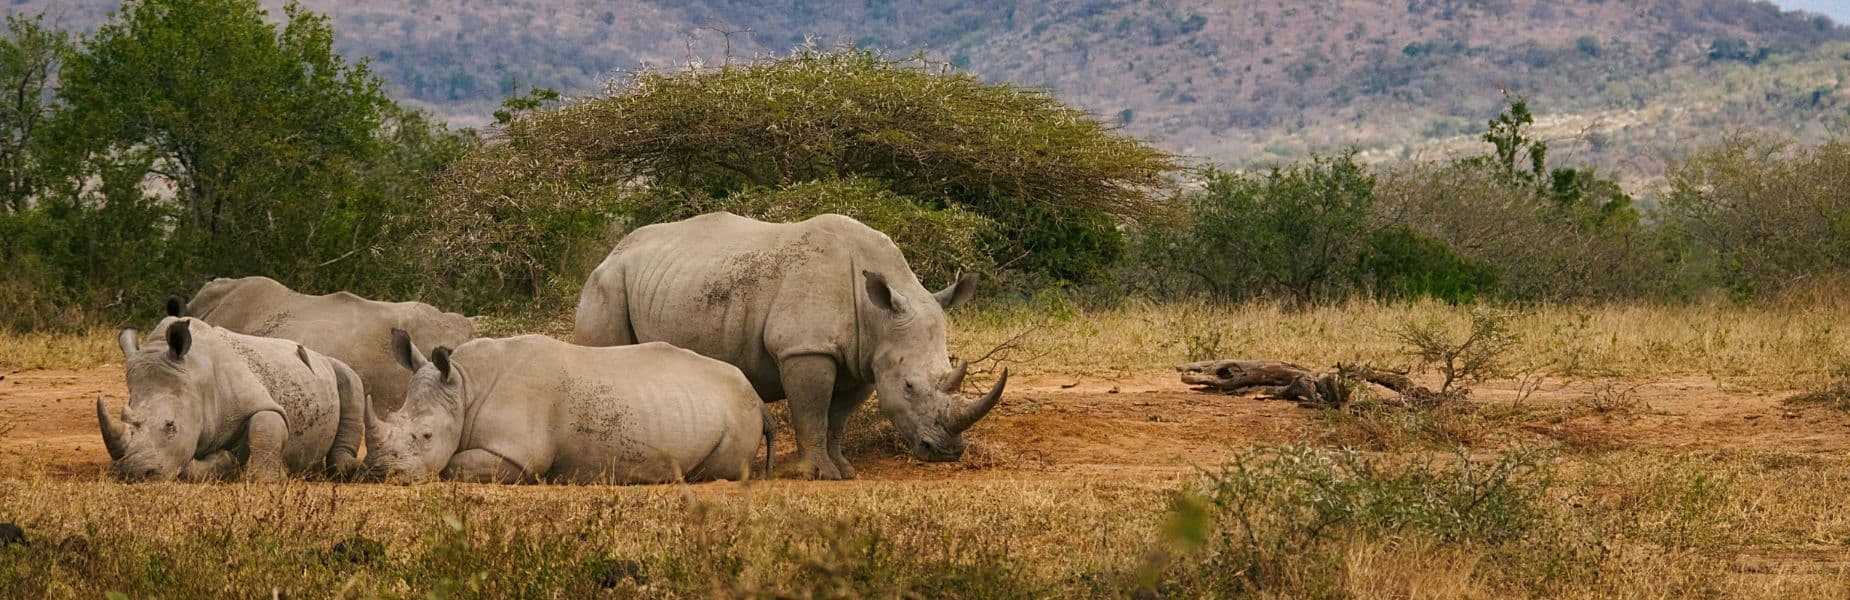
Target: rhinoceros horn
{"x":112,"y":430}
{"x":955,"y":381}
{"x":372,"y":417}
{"x":973,"y":412}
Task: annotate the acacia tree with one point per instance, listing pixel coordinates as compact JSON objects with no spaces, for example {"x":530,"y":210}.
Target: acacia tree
{"x":894,"y":142}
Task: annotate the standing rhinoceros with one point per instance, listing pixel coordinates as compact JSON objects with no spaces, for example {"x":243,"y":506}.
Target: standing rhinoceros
{"x":821,"y":312}
{"x":203,"y":400}
{"x":347,"y":327}
{"x":532,"y":408}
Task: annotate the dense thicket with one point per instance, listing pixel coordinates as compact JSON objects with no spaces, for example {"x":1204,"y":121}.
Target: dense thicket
{"x":191,"y":138}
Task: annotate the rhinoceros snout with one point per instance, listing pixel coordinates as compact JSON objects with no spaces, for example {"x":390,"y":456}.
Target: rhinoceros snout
{"x":133,"y":474}
{"x":929,"y":451}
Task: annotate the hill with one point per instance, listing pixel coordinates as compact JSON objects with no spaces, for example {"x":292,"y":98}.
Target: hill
{"x":1241,"y":83}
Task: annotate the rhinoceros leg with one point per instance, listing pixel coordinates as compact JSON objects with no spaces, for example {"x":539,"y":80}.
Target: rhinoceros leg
{"x":841,"y":407}
{"x":482,"y":466}
{"x":217,"y":466}
{"x":809,"y":383}
{"x":266,"y":432}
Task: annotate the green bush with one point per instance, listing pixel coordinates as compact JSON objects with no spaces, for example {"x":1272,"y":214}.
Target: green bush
{"x":1403,"y":263}
{"x":1297,"y":231}
{"x":1275,"y":520}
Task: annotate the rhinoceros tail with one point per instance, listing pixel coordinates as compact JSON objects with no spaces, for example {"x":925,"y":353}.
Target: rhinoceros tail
{"x":603,"y":317}
{"x":770,"y":433}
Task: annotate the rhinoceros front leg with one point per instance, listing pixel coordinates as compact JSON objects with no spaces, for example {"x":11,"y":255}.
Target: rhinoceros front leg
{"x":266,"y":431}
{"x":217,"y":466}
{"x":482,"y":466}
{"x":841,"y":408}
{"x":809,"y":384}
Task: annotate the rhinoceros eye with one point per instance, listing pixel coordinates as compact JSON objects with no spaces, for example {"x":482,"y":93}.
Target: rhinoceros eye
{"x":170,"y":427}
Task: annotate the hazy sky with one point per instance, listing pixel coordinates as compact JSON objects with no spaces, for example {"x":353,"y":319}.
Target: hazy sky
{"x":1838,"y":10}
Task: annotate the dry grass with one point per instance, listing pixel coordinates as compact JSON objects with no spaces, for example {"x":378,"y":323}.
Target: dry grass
{"x":1780,"y":347}
{"x":1633,"y":525}
{"x":35,"y":350}
{"x":746,"y":539}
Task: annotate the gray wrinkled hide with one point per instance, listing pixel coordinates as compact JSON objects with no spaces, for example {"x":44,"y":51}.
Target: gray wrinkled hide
{"x":821,"y":312}
{"x":532,"y":408}
{"x":214,"y":391}
{"x":349,"y":328}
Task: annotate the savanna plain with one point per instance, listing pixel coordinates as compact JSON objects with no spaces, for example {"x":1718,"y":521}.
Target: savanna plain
{"x":1630,"y":451}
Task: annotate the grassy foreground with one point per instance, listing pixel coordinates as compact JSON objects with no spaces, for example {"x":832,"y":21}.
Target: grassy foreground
{"x":1509,"y":515}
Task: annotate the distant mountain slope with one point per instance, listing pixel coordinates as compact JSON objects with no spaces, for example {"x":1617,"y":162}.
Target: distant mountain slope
{"x":1240,"y":82}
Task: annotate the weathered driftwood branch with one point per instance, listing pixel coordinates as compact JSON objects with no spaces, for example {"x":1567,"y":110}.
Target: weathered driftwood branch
{"x":1286,"y":381}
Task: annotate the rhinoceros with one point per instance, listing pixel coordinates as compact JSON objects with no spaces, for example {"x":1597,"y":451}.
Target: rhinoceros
{"x":347,"y":327}
{"x":822,"y":312}
{"x":208,"y":403}
{"x":531,"y":408}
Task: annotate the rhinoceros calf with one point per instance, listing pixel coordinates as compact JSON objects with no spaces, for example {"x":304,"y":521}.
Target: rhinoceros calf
{"x":347,"y":327}
{"x":821,"y":312}
{"x":531,"y":408}
{"x":206,"y":403}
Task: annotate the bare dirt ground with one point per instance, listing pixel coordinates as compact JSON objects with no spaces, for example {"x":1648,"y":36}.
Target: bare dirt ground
{"x":1084,"y":447}
{"x":1147,"y":425}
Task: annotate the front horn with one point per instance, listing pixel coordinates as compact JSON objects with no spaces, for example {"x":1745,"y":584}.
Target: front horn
{"x":372,"y":417}
{"x":112,"y":431}
{"x":975,"y":411}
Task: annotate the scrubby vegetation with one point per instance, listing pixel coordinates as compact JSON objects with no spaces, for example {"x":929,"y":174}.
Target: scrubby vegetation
{"x":271,"y":154}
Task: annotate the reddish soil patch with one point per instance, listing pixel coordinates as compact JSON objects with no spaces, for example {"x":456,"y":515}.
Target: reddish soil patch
{"x":1146,"y":425}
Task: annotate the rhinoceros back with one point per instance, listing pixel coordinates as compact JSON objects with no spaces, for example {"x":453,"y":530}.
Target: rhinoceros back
{"x":642,"y":413}
{"x":346,"y":327}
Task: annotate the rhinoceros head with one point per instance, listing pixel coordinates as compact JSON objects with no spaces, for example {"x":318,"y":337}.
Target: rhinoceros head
{"x":412,"y":444}
{"x":917,"y":384}
{"x":158,"y":430}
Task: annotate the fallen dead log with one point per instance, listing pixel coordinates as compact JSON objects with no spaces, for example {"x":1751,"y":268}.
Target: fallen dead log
{"x":1286,"y":381}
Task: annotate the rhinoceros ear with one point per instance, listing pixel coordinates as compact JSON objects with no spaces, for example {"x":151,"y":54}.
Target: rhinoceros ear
{"x":441,"y":358}
{"x":406,"y":352}
{"x":175,"y":306}
{"x":958,"y":293}
{"x":881,"y":294}
{"x":129,"y":341}
{"x":179,"y":338}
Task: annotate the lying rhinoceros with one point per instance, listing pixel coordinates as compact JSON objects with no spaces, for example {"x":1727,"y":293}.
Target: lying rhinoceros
{"x":205,"y":401}
{"x":531,"y":408}
{"x":347,"y":327}
{"x":822,"y":312}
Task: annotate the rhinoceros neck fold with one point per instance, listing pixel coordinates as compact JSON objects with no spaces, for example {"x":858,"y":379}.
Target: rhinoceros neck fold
{"x":476,"y":387}
{"x":860,"y":358}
